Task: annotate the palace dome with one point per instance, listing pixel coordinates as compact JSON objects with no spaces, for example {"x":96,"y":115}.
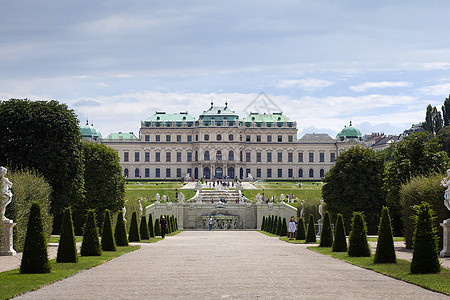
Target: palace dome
{"x":89,"y":133}
{"x":349,"y":133}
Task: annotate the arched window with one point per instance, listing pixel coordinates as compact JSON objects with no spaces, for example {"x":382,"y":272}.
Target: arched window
{"x":231,"y":155}
{"x":311,"y":173}
{"x":219,"y":137}
{"x":230,"y":172}
{"x":125,"y":173}
{"x":136,"y":172}
{"x":219,"y":155}
{"x":206,"y":155}
{"x":300,"y":172}
{"x":206,"y":137}
{"x":240,"y":156}
{"x":322,"y":173}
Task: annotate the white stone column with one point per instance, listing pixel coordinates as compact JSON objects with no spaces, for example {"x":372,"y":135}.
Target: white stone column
{"x":7,"y":238}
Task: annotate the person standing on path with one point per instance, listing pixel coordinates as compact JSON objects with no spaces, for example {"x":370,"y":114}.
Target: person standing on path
{"x":163,"y":226}
{"x":210,"y":223}
{"x":292,"y":227}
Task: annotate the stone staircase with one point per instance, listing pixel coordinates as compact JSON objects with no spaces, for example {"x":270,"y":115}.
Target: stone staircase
{"x":208,"y":195}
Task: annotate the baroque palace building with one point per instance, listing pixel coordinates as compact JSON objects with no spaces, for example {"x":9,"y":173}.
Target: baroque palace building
{"x":220,"y":145}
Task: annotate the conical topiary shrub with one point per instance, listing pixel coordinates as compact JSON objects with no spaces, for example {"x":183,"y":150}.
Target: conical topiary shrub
{"x":176,"y":223}
{"x":326,"y":236}
{"x":425,"y":245}
{"x":157,"y":228}
{"x":91,"y":243}
{"x":67,"y":249}
{"x":279,"y":226}
{"x":269,"y":223}
{"x":358,"y":245}
{"x":108,"y":241}
{"x":385,"y":252}
{"x":263,"y":223}
{"x":340,"y":239}
{"x":301,"y":230}
{"x":311,"y":233}
{"x":284,"y":231}
{"x":151,"y":229}
{"x":120,"y":232}
{"x":35,"y":257}
{"x":274,"y":225}
{"x":143,"y":229}
{"x":133,"y":234}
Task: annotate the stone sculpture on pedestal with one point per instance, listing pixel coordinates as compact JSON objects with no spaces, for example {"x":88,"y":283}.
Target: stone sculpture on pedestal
{"x":446,"y":223}
{"x":5,"y":224}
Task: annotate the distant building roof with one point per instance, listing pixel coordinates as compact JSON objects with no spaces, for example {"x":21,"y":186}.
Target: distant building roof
{"x":317,"y":136}
{"x":121,"y":136}
{"x":164,"y":117}
{"x":218,"y":114}
{"x":89,"y":133}
{"x":349,"y":133}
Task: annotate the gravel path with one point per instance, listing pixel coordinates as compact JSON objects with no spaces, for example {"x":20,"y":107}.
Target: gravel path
{"x":228,"y":265}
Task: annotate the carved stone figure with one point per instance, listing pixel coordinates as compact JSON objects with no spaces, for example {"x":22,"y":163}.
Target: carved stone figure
{"x":140,"y":208}
{"x":157,"y":197}
{"x":446,"y":183}
{"x":321,"y":208}
{"x":6,"y":195}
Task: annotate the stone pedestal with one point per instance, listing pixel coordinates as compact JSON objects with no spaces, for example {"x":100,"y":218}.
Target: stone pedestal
{"x":7,"y":237}
{"x":446,"y":239}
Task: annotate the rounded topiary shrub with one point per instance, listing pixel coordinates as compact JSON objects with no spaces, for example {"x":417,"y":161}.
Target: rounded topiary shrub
{"x":67,"y":248}
{"x":143,"y":229}
{"x":311,"y":233}
{"x":326,"y":236}
{"x":151,"y":229}
{"x":301,"y":230}
{"x":133,"y":235}
{"x":108,"y":241}
{"x":284,"y":231}
{"x":120,"y":232}
{"x":35,"y":257}
{"x":425,"y":248}
{"x":358,"y":245}
{"x":91,"y":244}
{"x":385,"y":252}
{"x":340,"y":238}
{"x":157,"y":228}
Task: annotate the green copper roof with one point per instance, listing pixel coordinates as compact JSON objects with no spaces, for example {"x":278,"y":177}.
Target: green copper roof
{"x":163,"y":117}
{"x":275,"y":117}
{"x":88,"y":132}
{"x":349,"y":132}
{"x":218,"y":114}
{"x":121,"y":136}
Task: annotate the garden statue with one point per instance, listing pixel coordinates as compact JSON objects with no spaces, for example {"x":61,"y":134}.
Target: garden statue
{"x":282,"y":197}
{"x":446,"y":183}
{"x":302,"y":212}
{"x":258,"y":198}
{"x":180,"y":198}
{"x":157,"y":197}
{"x":140,"y":208}
{"x":250,"y":177}
{"x":446,"y":223}
{"x":124,"y":212}
{"x":6,"y":192}
{"x":165,"y":198}
{"x":321,"y":209}
{"x":198,"y":186}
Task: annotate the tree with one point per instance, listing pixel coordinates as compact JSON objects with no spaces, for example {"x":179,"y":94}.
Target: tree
{"x":44,"y":136}
{"x":326,"y":236}
{"x":157,"y":227}
{"x":120,"y":232}
{"x":446,"y":111}
{"x":340,"y":239}
{"x":91,"y":244}
{"x":418,"y":154}
{"x":143,"y":229}
{"x":355,"y":182}
{"x":358,"y":245}
{"x":311,"y":233}
{"x":301,"y":230}
{"x":133,"y":235}
{"x":35,"y":257}
{"x":108,"y":241}
{"x":425,"y":251}
{"x":67,"y":249}
{"x":151,"y":229}
{"x":103,"y":179}
{"x":433,"y":120}
{"x":385,"y":252}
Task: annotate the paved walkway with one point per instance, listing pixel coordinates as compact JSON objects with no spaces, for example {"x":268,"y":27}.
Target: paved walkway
{"x":228,"y":265}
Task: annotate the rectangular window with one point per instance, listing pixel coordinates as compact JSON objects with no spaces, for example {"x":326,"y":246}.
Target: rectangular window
{"x":258,"y":173}
{"x":290,"y":173}
{"x":247,"y":156}
{"x":322,"y":157}
{"x":179,"y":138}
{"x":157,"y":156}
{"x":258,"y":156}
{"x":247,"y":138}
{"x":189,"y":138}
{"x":157,"y":138}
{"x":290,"y":138}
{"x":258,"y":138}
{"x":280,"y":173}
{"x":147,"y":156}
{"x":136,"y":156}
{"x":168,"y":172}
{"x":300,"y":157}
{"x":332,"y":156}
{"x":280,"y":138}
{"x":290,"y":157}
{"x":167,"y":156}
{"x":311,"y":157}
{"x":147,"y":172}
{"x":189,"y":156}
{"x":269,"y":173}
{"x":168,"y":138}
{"x":269,"y":138}
{"x":157,"y":172}
{"x":125,"y":156}
{"x":269,"y":156}
{"x":147,"y":138}
{"x":178,"y":156}
{"x":280,"y":157}
{"x":178,"y":172}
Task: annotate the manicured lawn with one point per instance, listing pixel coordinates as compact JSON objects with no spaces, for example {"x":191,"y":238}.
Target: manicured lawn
{"x":309,"y":190}
{"x":396,"y":239}
{"x":55,"y":239}
{"x":401,"y":270}
{"x":13,"y":283}
{"x":148,"y":190}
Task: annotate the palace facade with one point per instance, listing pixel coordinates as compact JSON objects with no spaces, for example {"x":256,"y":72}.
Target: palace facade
{"x":218,"y":145}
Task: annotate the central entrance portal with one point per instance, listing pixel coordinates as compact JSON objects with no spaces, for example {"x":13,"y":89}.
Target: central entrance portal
{"x":219,"y":173}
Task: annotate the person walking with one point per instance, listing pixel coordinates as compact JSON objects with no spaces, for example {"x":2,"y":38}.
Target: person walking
{"x":210,"y":223}
{"x":292,"y":228}
{"x":163,"y":226}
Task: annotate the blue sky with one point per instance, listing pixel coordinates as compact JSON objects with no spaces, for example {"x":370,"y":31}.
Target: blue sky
{"x":321,"y":62}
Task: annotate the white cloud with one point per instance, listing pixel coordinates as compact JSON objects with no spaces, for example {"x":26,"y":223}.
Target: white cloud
{"x":436,"y":90}
{"x":379,"y":85}
{"x":309,"y":84}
